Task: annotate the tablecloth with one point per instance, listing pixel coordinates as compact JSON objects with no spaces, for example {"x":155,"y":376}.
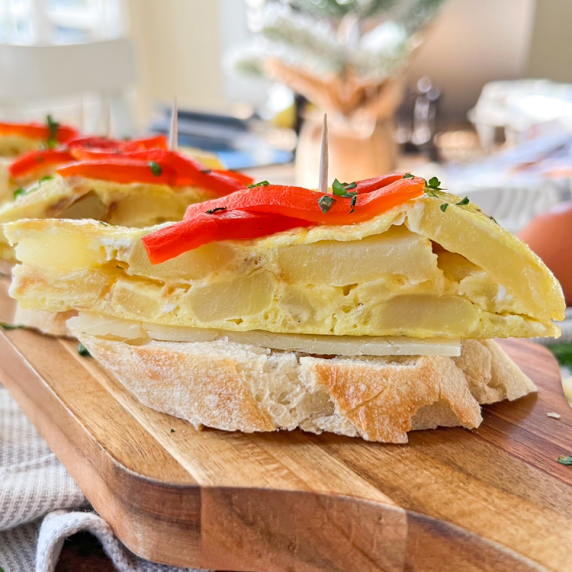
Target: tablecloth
{"x":40,"y":504}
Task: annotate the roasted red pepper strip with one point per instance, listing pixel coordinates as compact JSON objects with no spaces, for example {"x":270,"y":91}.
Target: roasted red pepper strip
{"x":120,"y":171}
{"x":183,"y":170}
{"x":186,"y":176}
{"x":37,"y":161}
{"x":90,"y":147}
{"x":183,"y":236}
{"x":236,"y":219}
{"x":191,"y":172}
{"x":297,"y":202}
{"x":38,"y":131}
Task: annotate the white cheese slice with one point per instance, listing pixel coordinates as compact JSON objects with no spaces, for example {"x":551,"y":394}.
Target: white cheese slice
{"x":97,"y":325}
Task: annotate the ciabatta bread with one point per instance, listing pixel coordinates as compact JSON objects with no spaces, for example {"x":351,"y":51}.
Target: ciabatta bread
{"x":241,"y":387}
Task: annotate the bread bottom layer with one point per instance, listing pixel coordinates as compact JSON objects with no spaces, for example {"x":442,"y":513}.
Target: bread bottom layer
{"x":242,"y":387}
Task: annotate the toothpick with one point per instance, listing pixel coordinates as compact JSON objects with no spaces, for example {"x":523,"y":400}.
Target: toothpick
{"x":107,"y":116}
{"x":324,"y":159}
{"x":174,"y":131}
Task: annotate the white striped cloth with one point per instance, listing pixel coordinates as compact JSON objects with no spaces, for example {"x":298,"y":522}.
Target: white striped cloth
{"x":40,"y":504}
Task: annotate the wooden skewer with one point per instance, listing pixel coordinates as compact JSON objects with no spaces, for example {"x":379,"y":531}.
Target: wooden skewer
{"x":174,"y":131}
{"x":107,"y":116}
{"x":324,"y":158}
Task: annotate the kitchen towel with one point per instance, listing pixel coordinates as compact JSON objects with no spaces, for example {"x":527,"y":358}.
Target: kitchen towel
{"x":40,"y":504}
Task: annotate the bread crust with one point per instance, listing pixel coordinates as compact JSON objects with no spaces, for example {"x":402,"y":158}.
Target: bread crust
{"x":49,"y":323}
{"x":239,"y":387}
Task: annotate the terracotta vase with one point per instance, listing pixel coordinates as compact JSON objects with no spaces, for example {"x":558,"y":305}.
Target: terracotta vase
{"x":361,"y":145}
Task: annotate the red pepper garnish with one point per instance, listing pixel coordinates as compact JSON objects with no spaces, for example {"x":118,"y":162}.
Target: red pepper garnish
{"x":120,"y":170}
{"x":39,"y":131}
{"x":177,"y":171}
{"x":37,"y":161}
{"x":186,"y":235}
{"x":265,"y":210}
{"x":374,"y":196}
{"x":93,"y":146}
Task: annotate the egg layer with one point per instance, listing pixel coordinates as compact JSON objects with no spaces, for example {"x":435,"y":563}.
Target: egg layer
{"x":415,"y":271}
{"x":132,"y":205}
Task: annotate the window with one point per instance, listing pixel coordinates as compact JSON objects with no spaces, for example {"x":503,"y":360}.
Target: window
{"x":61,"y":21}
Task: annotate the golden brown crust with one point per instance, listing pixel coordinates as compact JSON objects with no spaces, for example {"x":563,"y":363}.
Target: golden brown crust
{"x":239,"y":387}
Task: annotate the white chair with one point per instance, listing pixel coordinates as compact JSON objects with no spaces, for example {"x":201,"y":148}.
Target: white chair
{"x":30,"y":75}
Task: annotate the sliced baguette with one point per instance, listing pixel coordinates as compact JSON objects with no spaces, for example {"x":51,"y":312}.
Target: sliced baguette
{"x":241,"y":387}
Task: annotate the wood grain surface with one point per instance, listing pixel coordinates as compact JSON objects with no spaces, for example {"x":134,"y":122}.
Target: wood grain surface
{"x":492,"y":499}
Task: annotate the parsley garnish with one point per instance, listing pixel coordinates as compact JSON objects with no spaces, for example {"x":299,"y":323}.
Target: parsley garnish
{"x":565,"y":460}
{"x":218,"y":209}
{"x":156,"y":169}
{"x":408,"y":176}
{"x":464,"y":202}
{"x":53,"y":128}
{"x":261,"y":184}
{"x":434,"y":183}
{"x":9,"y":327}
{"x":326,"y":203}
{"x":172,"y":430}
{"x":46,"y":178}
{"x":19,"y":192}
{"x":563,"y":353}
{"x":341,"y":190}
{"x":83,"y":351}
{"x":493,"y":219}
{"x":103,"y":223}
{"x":444,"y":206}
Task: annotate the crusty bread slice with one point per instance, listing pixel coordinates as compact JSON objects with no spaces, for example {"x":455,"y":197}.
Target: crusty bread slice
{"x":49,"y":323}
{"x":241,"y":387}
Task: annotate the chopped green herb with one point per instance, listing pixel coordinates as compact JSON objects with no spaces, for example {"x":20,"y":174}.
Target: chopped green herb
{"x":156,"y":169}
{"x":83,"y":351}
{"x":464,"y":202}
{"x":563,"y":353}
{"x":353,"y":203}
{"x":206,"y":171}
{"x":103,"y":223}
{"x":9,"y":327}
{"x":19,"y":192}
{"x":172,"y":430}
{"x":261,"y":184}
{"x":341,"y":189}
{"x":408,"y":176}
{"x":326,"y":203}
{"x":433,"y":184}
{"x":46,"y":178}
{"x":565,"y":460}
{"x":53,"y":127}
{"x":218,"y":209}
{"x":444,"y":206}
{"x":493,"y":219}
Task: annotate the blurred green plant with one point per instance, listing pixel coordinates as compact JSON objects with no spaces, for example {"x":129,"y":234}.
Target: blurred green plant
{"x":370,"y":38}
{"x":563,"y":353}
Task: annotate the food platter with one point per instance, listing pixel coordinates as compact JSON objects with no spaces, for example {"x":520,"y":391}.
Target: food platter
{"x":492,"y":499}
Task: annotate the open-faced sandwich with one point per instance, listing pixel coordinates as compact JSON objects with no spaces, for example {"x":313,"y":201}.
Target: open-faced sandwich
{"x":19,"y":138}
{"x":368,"y":311}
{"x":132,"y":188}
{"x":21,"y":174}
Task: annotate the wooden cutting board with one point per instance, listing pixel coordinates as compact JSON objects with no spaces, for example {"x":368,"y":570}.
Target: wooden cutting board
{"x":493,"y":499}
